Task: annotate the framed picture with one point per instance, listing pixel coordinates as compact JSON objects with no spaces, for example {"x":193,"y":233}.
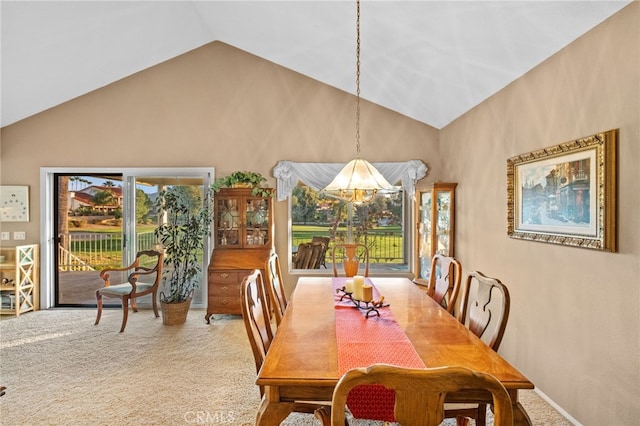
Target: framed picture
{"x":565,"y":194}
{"x":14,"y":203}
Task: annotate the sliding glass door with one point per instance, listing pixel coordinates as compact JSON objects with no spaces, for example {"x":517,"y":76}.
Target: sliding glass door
{"x":102,"y":218}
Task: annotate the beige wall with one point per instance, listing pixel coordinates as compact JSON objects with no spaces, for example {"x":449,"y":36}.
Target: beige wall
{"x":575,"y":324}
{"x":574,"y":328}
{"x":214,"y":106}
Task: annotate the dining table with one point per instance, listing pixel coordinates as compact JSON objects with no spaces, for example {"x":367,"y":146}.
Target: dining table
{"x":319,"y":338}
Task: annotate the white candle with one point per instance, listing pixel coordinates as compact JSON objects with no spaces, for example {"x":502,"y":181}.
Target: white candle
{"x":348,"y":286}
{"x":358,"y":283}
{"x":367,"y":293}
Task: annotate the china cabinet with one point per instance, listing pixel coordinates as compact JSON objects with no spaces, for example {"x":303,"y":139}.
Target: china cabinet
{"x":19,"y":271}
{"x":435,"y":224}
{"x":243,"y":238}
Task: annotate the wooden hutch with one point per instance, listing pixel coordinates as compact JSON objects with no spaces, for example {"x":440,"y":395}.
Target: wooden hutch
{"x":243,"y":239}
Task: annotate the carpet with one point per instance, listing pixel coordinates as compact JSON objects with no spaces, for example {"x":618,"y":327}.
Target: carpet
{"x":61,"y":369}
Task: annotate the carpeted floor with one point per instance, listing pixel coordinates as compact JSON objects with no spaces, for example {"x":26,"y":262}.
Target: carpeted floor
{"x":60,"y":369}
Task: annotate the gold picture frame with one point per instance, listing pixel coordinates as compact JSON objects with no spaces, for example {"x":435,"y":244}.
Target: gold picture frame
{"x":565,"y":194}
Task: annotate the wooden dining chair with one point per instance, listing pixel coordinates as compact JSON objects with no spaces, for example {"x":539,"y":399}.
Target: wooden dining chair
{"x":420,"y":393}
{"x":309,"y":255}
{"x":256,"y":317}
{"x":275,"y":287}
{"x":444,"y":281}
{"x":322,"y":258}
{"x":256,"y":322}
{"x":144,"y":276}
{"x":484,"y":311}
{"x":351,"y":255}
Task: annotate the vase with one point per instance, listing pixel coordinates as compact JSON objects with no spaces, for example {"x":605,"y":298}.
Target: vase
{"x":175,"y":313}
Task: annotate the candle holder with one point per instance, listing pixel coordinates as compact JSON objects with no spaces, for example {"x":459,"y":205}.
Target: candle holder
{"x":368,"y":307}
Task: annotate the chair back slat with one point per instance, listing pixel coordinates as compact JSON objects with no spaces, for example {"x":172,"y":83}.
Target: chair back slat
{"x":275,"y":287}
{"x":444,"y":281}
{"x":485,"y":308}
{"x":255,"y":316}
{"x":351,"y":256}
{"x":421,"y":393}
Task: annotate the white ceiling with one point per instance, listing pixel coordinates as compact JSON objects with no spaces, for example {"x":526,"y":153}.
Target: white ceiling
{"x":429,"y":60}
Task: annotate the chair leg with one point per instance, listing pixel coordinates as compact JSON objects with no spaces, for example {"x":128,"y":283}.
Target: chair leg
{"x":134,"y":305}
{"x":155,"y":303}
{"x":462,"y":421}
{"x":324,"y":415}
{"x":481,"y":420}
{"x":99,"y":303}
{"x":125,"y":312}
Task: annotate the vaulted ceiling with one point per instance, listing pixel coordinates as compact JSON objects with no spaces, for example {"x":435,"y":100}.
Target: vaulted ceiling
{"x":429,"y":60}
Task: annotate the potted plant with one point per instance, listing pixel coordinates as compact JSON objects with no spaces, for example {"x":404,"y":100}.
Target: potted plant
{"x":241,"y":179}
{"x":182,"y":235}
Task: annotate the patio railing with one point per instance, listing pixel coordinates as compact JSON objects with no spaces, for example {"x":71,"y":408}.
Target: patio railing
{"x":87,"y":251}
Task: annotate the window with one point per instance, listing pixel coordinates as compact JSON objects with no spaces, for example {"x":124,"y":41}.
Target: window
{"x":379,"y":224}
{"x":382,"y":224}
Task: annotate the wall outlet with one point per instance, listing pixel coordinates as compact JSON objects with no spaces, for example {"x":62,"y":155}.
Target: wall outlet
{"x":19,"y":235}
{"x":5,"y":236}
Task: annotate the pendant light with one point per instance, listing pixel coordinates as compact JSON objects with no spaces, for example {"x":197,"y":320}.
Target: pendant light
{"x":359,"y":181}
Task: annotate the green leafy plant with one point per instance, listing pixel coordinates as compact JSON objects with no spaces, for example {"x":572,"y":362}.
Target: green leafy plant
{"x":188,"y":222}
{"x":251,"y":180}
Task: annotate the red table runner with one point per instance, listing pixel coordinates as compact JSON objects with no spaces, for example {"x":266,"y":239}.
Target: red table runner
{"x":364,"y":341}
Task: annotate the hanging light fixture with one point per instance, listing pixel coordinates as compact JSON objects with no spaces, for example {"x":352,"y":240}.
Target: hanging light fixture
{"x":359,"y":180}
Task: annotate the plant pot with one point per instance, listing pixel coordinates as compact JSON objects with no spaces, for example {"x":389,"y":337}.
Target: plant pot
{"x":241,"y":185}
{"x":175,"y":313}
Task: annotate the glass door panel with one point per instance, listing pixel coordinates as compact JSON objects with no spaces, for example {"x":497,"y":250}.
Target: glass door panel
{"x":142,"y":219}
{"x":257,"y":213}
{"x":88,"y":234}
{"x":229,"y":222}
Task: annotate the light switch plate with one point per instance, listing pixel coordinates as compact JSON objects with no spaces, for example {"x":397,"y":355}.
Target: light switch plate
{"x":5,"y":236}
{"x":19,"y":235}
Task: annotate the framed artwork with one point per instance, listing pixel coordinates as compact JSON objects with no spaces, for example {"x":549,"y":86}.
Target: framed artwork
{"x":14,"y":203}
{"x":565,"y":194}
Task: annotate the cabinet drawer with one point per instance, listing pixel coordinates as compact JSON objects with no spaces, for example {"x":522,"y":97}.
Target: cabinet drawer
{"x":225,"y":276}
{"x":224,"y":289}
{"x":224,"y":305}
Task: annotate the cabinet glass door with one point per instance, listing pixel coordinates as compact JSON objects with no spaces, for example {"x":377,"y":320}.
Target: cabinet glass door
{"x":424,"y":234}
{"x":443,"y":218}
{"x":228,"y":222}
{"x":435,"y":215}
{"x":257,"y":214}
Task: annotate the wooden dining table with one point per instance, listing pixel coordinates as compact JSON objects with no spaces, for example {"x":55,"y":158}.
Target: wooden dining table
{"x":302,"y":363}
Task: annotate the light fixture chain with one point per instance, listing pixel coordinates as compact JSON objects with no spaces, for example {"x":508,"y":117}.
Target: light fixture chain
{"x":358,"y":79}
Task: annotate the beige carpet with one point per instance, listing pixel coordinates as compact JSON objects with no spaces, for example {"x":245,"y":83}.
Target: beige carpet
{"x":60,"y":369}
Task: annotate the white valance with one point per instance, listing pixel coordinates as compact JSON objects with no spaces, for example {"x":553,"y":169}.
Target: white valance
{"x":319,"y":175}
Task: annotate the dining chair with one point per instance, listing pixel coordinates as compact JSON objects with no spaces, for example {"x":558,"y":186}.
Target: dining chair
{"x":256,"y":322}
{"x":444,"y":281}
{"x":144,"y":276}
{"x":275,"y":287}
{"x":484,"y":311}
{"x":322,"y":258}
{"x":420,"y":393}
{"x":256,"y":317}
{"x":309,"y":255}
{"x":352,"y":255}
